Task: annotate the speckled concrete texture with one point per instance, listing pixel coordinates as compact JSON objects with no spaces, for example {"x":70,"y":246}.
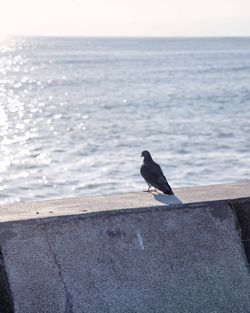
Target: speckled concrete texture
{"x":176,"y":258}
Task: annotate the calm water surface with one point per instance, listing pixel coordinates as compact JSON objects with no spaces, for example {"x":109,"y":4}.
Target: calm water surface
{"x":75,"y":113}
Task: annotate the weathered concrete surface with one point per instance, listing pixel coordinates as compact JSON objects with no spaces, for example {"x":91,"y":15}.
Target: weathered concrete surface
{"x":176,"y":258}
{"x":59,"y":207}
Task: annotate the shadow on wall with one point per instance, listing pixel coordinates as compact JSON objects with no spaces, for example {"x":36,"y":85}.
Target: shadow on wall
{"x":166,"y":199}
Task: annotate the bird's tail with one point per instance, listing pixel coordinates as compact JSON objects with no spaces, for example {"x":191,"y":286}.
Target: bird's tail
{"x":168,"y":190}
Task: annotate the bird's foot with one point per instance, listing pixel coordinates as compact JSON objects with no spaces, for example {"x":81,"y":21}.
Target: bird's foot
{"x":148,"y":190}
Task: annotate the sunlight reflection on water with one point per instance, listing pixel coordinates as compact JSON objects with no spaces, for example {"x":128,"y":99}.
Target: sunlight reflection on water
{"x":75,"y":123}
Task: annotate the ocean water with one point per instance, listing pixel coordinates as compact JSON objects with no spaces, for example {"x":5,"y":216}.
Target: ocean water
{"x":75,"y":113}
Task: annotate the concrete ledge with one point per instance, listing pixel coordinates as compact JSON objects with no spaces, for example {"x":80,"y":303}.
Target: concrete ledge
{"x":104,"y":254}
{"x":86,"y":205}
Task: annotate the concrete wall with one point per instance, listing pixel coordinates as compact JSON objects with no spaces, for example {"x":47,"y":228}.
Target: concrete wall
{"x":118,"y":254}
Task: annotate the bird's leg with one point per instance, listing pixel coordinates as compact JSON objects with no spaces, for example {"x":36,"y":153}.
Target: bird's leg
{"x":149,"y":186}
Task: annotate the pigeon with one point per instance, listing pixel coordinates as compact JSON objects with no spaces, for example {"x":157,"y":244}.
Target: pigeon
{"x":153,"y":175}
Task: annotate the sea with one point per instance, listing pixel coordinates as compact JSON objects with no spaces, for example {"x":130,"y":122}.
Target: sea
{"x":76,"y":113}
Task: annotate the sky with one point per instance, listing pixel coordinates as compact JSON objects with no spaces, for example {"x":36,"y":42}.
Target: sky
{"x":125,"y":17}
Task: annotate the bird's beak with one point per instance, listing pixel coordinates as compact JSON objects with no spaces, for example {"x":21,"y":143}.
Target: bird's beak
{"x":141,"y":155}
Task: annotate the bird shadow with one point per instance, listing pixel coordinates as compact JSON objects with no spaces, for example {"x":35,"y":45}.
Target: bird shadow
{"x":166,"y":199}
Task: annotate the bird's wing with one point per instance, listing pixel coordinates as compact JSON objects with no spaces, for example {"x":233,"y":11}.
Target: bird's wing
{"x":153,"y":175}
{"x":158,"y":170}
{"x":164,"y":185}
{"x":159,"y":181}
{"x":149,"y":174}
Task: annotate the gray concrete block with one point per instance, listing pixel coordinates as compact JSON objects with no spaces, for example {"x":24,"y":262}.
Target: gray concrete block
{"x":182,"y":258}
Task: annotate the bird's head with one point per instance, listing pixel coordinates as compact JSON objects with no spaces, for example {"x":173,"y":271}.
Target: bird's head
{"x":146,"y":155}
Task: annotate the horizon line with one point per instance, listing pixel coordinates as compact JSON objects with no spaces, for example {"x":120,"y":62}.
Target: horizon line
{"x":132,"y":36}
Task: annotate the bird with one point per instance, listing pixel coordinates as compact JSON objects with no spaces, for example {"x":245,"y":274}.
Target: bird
{"x":153,"y":175}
